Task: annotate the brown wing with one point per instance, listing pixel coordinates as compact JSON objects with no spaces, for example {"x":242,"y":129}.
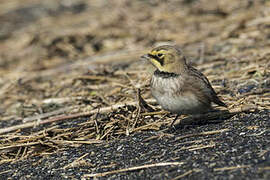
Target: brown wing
{"x":205,"y":87}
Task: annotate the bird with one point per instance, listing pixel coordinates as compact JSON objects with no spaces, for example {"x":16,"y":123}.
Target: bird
{"x":177,"y":86}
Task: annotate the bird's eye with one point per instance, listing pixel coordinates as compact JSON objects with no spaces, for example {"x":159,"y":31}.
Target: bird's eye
{"x":159,"y":54}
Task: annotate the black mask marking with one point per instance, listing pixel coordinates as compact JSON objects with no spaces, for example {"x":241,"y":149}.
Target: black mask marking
{"x":165,"y":74}
{"x":160,"y":60}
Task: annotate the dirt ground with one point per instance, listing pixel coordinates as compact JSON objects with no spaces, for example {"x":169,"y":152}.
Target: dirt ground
{"x":72,"y":84}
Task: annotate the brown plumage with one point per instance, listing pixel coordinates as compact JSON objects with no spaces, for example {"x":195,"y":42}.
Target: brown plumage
{"x":177,"y":86}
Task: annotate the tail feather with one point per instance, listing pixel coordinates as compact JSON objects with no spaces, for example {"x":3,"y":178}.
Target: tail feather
{"x":219,"y":102}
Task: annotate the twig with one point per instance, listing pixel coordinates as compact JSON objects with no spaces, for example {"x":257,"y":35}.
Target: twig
{"x":231,"y":168}
{"x":7,"y":171}
{"x":203,"y":133}
{"x":142,"y":106}
{"x":20,"y":145}
{"x":133,"y":169}
{"x":107,"y":132}
{"x":257,"y":21}
{"x":75,"y":162}
{"x":62,"y":100}
{"x":196,"y":141}
{"x":154,"y":113}
{"x":155,"y":125}
{"x":267,"y":168}
{"x":93,"y":141}
{"x":95,"y":121}
{"x":203,"y":147}
{"x":142,"y":103}
{"x":183,"y":175}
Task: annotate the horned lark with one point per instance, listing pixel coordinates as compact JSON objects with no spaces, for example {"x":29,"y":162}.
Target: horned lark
{"x":178,"y":87}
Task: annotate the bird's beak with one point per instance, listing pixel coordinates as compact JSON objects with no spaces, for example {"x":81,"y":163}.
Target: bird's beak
{"x":146,"y":56}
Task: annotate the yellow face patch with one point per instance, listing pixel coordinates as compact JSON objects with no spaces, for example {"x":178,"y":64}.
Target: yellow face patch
{"x":158,"y":53}
{"x":158,"y":58}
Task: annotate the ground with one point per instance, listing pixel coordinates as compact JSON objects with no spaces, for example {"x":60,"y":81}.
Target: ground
{"x":72,"y":90}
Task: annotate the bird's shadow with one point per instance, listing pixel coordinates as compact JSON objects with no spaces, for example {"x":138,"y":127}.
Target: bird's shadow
{"x":213,"y":117}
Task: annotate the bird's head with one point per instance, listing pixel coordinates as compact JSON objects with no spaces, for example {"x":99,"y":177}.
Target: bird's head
{"x":167,"y":58}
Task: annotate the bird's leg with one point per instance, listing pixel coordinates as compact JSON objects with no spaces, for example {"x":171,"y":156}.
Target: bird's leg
{"x":174,"y":119}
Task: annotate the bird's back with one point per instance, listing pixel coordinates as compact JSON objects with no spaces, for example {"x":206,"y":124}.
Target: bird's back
{"x":202,"y":85}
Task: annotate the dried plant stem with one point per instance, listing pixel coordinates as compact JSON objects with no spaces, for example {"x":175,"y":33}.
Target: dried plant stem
{"x":203,"y":133}
{"x":183,"y":175}
{"x":65,"y":117}
{"x":231,"y":168}
{"x":134,"y":169}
